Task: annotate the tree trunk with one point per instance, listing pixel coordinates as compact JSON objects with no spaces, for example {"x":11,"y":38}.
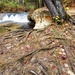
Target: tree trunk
{"x":57,"y":11}
{"x":42,"y":3}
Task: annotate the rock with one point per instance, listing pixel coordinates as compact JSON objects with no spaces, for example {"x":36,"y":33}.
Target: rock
{"x":42,"y":18}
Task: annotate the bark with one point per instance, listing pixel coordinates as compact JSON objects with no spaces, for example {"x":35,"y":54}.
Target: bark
{"x":51,"y":8}
{"x":59,"y":6}
{"x":57,"y":11}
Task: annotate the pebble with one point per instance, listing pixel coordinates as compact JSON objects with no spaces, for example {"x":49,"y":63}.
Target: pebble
{"x":10,"y":58}
{"x":66,"y":65}
{"x":16,"y":38}
{"x":62,"y":50}
{"x":64,"y":53}
{"x":33,"y":59}
{"x":45,"y":59}
{"x":53,"y":42}
{"x":9,"y":47}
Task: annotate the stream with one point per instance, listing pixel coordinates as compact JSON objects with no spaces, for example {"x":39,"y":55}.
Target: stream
{"x":17,"y":18}
{"x":14,"y":17}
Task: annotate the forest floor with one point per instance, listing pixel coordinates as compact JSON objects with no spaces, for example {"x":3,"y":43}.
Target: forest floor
{"x":37,"y":52}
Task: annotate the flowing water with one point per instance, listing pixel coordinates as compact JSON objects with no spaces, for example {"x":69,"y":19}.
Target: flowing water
{"x":14,"y":17}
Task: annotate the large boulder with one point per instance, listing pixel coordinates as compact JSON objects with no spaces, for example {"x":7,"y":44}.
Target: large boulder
{"x":42,"y":18}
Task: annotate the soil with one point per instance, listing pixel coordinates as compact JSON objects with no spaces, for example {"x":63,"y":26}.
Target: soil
{"x":37,"y":52}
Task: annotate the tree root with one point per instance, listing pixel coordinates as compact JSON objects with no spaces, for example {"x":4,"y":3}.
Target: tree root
{"x":59,"y":38}
{"x":26,"y":36}
{"x":38,"y":50}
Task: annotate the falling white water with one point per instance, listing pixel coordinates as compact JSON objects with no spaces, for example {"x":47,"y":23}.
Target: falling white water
{"x":15,"y":17}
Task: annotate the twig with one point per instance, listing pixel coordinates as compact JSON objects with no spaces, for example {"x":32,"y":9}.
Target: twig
{"x":44,"y":68}
{"x":26,"y":36}
{"x":59,"y":68}
{"x":40,"y":63}
{"x":44,"y":72}
{"x":33,"y":72}
{"x":53,"y":37}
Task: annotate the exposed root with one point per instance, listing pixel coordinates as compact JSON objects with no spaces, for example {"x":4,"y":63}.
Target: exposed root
{"x":26,"y":36}
{"x":35,"y":51}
